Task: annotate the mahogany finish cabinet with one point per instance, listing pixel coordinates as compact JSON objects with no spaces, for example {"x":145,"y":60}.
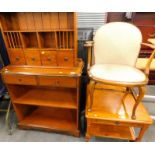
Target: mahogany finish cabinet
{"x":43,"y":77}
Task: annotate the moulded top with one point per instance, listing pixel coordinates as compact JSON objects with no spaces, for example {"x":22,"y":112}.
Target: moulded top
{"x":47,"y":71}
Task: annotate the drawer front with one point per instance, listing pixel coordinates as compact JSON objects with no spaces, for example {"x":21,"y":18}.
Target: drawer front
{"x":98,"y":121}
{"x":65,"y":58}
{"x":49,"y":58}
{"x":32,"y":57}
{"x":16,"y":57}
{"x":20,"y":79}
{"x":57,"y":81}
{"x":67,"y":82}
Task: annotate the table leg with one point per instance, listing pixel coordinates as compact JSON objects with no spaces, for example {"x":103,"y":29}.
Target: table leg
{"x":87,"y":137}
{"x":141,"y":133}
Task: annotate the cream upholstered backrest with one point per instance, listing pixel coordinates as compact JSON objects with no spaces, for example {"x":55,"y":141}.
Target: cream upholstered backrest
{"x":117,"y":43}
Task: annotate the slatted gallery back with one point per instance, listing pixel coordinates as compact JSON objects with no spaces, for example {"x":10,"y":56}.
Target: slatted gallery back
{"x":40,"y":38}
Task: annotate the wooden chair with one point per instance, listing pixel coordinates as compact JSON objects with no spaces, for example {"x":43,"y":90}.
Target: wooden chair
{"x":116,"y":48}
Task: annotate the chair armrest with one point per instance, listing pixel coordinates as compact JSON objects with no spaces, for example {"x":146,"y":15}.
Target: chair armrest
{"x":141,"y":64}
{"x":151,"y":40}
{"x":148,"y":64}
{"x":149,"y":45}
{"x":89,"y":45}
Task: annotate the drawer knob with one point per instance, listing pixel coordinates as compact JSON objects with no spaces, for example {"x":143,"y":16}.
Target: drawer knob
{"x":65,"y":58}
{"x":19,"y":80}
{"x":33,"y":59}
{"x":117,"y":123}
{"x":57,"y":83}
{"x":48,"y":59}
{"x":17,"y":58}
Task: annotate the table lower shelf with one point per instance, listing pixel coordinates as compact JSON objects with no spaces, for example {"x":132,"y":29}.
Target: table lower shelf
{"x":51,"y":119}
{"x":119,"y":132}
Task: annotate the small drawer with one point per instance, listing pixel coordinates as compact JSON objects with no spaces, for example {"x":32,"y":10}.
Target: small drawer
{"x":57,"y":81}
{"x":67,"y":82}
{"x":98,"y":121}
{"x":47,"y":81}
{"x":32,"y":57}
{"x":65,"y":58}
{"x":16,"y":57}
{"x":49,"y":58}
{"x":20,"y":79}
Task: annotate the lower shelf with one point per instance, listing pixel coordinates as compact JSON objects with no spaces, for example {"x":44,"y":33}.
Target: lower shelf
{"x":120,"y":132}
{"x":50,"y":119}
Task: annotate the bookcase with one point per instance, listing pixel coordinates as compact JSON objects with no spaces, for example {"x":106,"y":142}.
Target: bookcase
{"x":43,"y":77}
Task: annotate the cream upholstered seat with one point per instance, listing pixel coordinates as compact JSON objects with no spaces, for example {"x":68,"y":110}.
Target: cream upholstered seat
{"x":117,"y":73}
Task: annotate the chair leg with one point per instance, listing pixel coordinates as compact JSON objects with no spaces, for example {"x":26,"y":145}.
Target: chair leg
{"x":7,"y":121}
{"x":142,"y":90}
{"x":91,"y":91}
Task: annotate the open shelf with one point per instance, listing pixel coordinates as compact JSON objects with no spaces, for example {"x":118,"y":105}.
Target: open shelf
{"x":49,"y":98}
{"x":47,"y":39}
{"x":50,"y":118}
{"x":30,"y":39}
{"x":113,"y":131}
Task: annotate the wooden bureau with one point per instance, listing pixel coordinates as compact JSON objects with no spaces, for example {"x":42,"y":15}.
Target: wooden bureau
{"x":43,"y":78}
